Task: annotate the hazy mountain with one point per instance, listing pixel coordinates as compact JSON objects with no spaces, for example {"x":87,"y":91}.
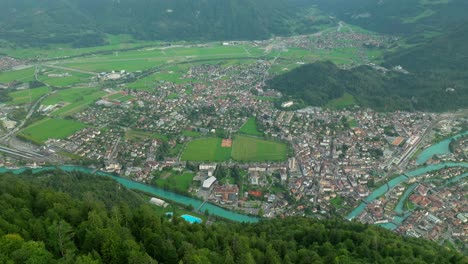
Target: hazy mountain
{"x":85,"y":21}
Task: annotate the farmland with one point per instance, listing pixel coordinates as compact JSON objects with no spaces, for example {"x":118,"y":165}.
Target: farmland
{"x":48,"y":128}
{"x":247,"y":148}
{"x":24,"y":75}
{"x":27,"y":96}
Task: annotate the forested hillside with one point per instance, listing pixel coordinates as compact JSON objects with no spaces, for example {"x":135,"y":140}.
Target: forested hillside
{"x":318,"y":83}
{"x":412,"y":18}
{"x":41,"y":224}
{"x":85,"y":22}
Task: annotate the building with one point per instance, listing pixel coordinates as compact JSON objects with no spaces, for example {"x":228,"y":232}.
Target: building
{"x":208,"y":182}
{"x":227,"y":192}
{"x":158,"y":202}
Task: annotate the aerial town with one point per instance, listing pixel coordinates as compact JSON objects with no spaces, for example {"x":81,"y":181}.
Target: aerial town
{"x":355,"y":163}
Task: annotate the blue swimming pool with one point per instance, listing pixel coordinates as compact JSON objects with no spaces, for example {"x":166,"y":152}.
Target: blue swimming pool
{"x":191,"y":219}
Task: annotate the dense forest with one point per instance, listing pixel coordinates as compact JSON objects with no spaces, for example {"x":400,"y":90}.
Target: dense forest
{"x":59,"y":217}
{"x":410,"y":18}
{"x":85,"y":22}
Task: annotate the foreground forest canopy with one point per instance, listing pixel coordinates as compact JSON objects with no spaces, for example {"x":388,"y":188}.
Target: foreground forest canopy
{"x":44,"y":220}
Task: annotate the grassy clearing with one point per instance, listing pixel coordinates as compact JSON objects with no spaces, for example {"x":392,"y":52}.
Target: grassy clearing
{"x":337,"y":202}
{"x":132,"y":134}
{"x":24,"y":75}
{"x":74,"y":78}
{"x":352,"y":122}
{"x":207,"y":149}
{"x":344,"y":101}
{"x":27,"y":96}
{"x":247,"y":148}
{"x":250,"y":128}
{"x":181,"y":182}
{"x":48,"y":128}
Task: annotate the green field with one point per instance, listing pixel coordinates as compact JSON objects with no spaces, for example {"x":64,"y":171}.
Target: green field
{"x":142,"y":59}
{"x":48,"y":128}
{"x":190,"y":133}
{"x":27,"y":96}
{"x":24,"y":75}
{"x":76,"y":99}
{"x":250,"y":128}
{"x":344,"y":101}
{"x":179,"y":182}
{"x":247,"y":148}
{"x":74,"y":78}
{"x":207,"y":149}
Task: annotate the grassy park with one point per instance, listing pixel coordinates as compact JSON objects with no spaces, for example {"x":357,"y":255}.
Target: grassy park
{"x":245,"y":148}
{"x":206,"y":149}
{"x":250,"y":128}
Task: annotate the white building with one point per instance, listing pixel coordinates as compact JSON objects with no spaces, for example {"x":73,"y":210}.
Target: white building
{"x":158,"y":202}
{"x":208,"y":182}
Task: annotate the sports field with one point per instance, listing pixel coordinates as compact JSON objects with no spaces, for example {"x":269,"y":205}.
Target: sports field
{"x":48,"y":128}
{"x":247,"y":148}
{"x":207,"y":149}
{"x":244,"y":148}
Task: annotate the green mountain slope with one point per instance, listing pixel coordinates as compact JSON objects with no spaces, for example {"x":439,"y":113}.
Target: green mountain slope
{"x":84,"y":22}
{"x":41,"y":225}
{"x":319,"y":83}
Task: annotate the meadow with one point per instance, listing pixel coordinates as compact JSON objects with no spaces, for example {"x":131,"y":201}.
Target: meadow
{"x":146,"y":58}
{"x":23,"y":75}
{"x":180,"y":182}
{"x":74,"y":78}
{"x":27,"y":96}
{"x":342,"y":102}
{"x":76,"y":99}
{"x":207,"y":149}
{"x":247,"y":149}
{"x":48,"y":128}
